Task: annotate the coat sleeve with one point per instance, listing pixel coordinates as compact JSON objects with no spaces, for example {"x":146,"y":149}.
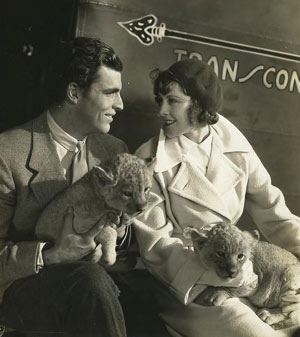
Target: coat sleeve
{"x":266,"y":205}
{"x":178,"y":267}
{"x":19,"y":259}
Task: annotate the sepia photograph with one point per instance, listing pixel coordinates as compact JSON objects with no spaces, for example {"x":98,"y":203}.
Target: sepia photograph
{"x":150,"y":168}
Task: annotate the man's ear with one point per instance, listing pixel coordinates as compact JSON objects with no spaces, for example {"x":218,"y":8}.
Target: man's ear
{"x":198,"y":236}
{"x":103,"y":177}
{"x":73,"y":92}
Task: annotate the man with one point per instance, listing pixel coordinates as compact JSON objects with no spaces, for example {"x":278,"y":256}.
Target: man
{"x":47,"y":288}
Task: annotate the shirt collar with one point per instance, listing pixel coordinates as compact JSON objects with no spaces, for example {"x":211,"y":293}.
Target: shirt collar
{"x":172,"y":151}
{"x":61,"y":136}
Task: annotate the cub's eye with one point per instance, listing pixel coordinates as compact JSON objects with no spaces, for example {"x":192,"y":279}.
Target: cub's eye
{"x":127,"y":194}
{"x":147,"y":190}
{"x":241,"y":257}
{"x":220,"y":254}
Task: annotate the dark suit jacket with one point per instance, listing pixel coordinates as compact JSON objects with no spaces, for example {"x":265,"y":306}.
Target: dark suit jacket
{"x":30,"y":176}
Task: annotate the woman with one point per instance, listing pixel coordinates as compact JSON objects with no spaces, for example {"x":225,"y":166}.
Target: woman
{"x":206,"y":172}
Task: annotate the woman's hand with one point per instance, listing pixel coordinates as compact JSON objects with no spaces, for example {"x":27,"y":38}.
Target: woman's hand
{"x":70,"y":246}
{"x":212,"y":296}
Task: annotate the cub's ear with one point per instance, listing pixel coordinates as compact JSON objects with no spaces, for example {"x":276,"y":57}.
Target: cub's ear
{"x":104,"y":177}
{"x":198,"y":236}
{"x":252,"y":237}
{"x":150,"y":163}
{"x":255,"y":234}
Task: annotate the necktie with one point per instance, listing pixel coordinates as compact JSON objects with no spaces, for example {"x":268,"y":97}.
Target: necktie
{"x":79,"y":165}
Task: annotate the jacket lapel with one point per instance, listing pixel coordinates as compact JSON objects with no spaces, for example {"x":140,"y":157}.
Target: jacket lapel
{"x":207,"y":190}
{"x":222,"y":172}
{"x":48,"y":177}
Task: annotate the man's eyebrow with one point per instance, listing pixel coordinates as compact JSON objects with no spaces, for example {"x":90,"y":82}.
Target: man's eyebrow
{"x":111,"y":90}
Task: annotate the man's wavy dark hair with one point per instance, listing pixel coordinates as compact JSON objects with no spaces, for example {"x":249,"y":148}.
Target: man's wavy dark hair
{"x":78,"y":61}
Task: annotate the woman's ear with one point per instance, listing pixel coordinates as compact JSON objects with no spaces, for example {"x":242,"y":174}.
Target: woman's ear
{"x":73,"y":92}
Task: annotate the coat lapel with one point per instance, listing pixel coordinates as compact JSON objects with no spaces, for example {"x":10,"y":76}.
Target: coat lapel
{"x":207,"y":190}
{"x":48,"y":177}
{"x":222,"y":172}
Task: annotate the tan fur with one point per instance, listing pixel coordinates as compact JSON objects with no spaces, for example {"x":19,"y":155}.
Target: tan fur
{"x":113,"y":194}
{"x":227,"y":248}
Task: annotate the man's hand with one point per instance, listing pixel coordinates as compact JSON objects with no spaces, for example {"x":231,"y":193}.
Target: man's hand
{"x":70,"y":246}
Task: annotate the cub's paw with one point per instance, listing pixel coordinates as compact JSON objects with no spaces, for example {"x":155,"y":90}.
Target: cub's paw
{"x":263,"y":314}
{"x":212,"y":297}
{"x":293,"y":319}
{"x":271,"y":316}
{"x":108,"y":259}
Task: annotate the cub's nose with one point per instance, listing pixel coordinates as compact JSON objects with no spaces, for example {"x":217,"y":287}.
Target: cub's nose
{"x":140,"y":208}
{"x":231,"y":272}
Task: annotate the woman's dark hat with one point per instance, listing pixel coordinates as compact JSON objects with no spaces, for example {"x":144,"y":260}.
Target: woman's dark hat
{"x":200,"y":82}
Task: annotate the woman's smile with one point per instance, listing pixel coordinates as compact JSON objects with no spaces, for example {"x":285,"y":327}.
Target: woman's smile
{"x":169,"y":122}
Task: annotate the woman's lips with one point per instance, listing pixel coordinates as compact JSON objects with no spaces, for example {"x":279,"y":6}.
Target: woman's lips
{"x":169,"y":122}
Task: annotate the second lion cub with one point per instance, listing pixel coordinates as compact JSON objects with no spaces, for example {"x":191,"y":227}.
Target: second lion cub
{"x":226,"y":248}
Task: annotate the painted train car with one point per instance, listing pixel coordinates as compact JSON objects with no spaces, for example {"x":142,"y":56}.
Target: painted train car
{"x":253,"y":47}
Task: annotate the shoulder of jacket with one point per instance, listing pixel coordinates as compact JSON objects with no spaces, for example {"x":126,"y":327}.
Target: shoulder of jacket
{"x":148,"y":149}
{"x":111,"y":142}
{"x":230,"y":136}
{"x":16,"y":138}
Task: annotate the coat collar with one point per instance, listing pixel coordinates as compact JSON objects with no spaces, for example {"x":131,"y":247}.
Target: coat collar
{"x":229,"y":138}
{"x":171,"y":152}
{"x":221,"y":175}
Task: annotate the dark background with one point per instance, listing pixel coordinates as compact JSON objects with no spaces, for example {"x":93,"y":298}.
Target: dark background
{"x":29,"y":33}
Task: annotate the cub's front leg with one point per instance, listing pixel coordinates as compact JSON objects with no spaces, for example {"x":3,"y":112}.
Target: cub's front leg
{"x":212,"y":296}
{"x":108,"y":238}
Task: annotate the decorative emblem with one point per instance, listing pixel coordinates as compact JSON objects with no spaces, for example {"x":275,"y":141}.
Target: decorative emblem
{"x":145,"y":29}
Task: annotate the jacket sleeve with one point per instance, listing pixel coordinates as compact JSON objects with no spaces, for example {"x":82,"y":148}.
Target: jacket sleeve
{"x":266,"y":205}
{"x":17,"y":259}
{"x":179,"y":268}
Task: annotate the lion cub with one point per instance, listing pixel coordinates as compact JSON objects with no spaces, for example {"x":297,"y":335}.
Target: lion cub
{"x":226,"y":248}
{"x":113,"y":194}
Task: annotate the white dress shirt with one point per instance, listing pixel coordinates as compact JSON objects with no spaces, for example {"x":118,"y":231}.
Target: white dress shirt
{"x":65,"y":144}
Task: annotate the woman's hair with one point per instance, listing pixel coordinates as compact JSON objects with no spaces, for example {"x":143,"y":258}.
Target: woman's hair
{"x":78,"y":61}
{"x":197,"y":80}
